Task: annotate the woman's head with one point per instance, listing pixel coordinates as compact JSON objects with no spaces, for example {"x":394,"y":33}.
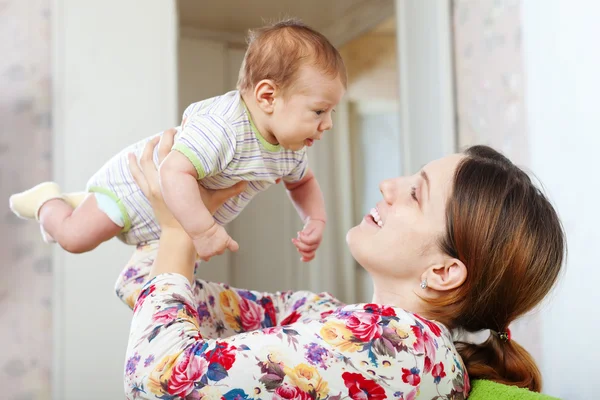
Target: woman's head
{"x":399,"y":240}
{"x":490,"y":245}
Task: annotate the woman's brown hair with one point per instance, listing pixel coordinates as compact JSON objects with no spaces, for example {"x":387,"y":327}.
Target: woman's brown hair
{"x":508,"y":235}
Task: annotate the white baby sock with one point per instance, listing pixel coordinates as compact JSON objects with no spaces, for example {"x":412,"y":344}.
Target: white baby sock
{"x":27,"y":204}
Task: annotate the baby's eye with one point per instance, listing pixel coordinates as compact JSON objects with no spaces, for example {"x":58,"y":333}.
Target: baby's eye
{"x":319,"y":112}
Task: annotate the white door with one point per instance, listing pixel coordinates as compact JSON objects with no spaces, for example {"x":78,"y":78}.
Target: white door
{"x":113,"y":85}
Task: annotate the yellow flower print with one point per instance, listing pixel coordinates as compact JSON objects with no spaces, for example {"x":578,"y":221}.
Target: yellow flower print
{"x":184,"y":315}
{"x":307,"y":378}
{"x":131,"y":299}
{"x":404,"y":332}
{"x":210,"y":393}
{"x":277,"y":355}
{"x":231,"y":309}
{"x":337,"y":335}
{"x":160,"y":376}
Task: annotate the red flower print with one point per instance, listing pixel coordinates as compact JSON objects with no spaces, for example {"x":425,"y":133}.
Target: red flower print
{"x":185,"y":373}
{"x":412,"y":395}
{"x":438,"y":372}
{"x":411,"y":376}
{"x":191,"y":311}
{"x":381,"y":310}
{"x":251,"y":314}
{"x":269,"y":310}
{"x":433,"y":327}
{"x":325,"y":314}
{"x":289,"y":392}
{"x":361,"y":388}
{"x":165,"y":316}
{"x":290,"y":319}
{"x":424,"y":343}
{"x":273,"y":330}
{"x":364,"y":326}
{"x":145,"y":293}
{"x":427,"y":366}
{"x":221,"y":354}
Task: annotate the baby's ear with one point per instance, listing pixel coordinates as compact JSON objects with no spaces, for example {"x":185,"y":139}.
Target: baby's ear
{"x":264,"y":94}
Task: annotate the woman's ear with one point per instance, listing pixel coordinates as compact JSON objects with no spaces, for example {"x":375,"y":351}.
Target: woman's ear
{"x":264,"y":95}
{"x":448,"y":276}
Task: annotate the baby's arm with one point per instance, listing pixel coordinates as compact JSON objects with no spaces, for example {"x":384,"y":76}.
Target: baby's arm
{"x":308,"y":200}
{"x":179,"y":185}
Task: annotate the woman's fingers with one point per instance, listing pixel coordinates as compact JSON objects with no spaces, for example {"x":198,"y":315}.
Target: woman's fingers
{"x":225,"y":194}
{"x":137,"y":173}
{"x":147,"y":158}
{"x":166,"y":143}
{"x":148,"y":166}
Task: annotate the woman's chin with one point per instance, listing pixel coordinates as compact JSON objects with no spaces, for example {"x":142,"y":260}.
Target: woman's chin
{"x":356,"y":243}
{"x":350,"y":235}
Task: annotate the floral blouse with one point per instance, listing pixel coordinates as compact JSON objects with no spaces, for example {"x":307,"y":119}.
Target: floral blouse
{"x":211,"y":341}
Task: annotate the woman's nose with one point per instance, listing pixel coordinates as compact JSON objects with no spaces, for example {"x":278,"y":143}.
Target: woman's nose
{"x":387,"y":189}
{"x":392,"y":188}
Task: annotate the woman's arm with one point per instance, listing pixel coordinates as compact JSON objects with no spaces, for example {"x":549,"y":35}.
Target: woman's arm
{"x":176,"y":254}
{"x":356,"y":351}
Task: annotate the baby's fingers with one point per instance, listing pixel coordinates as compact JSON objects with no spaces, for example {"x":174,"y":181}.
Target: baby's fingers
{"x":303,"y":247}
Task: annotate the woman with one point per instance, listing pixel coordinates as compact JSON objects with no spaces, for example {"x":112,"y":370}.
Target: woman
{"x":467,"y":243}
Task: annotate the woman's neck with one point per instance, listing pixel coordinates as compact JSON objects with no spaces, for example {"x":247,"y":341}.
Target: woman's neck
{"x":396,"y":293}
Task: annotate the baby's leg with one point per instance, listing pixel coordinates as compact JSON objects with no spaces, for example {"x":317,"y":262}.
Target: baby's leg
{"x":77,"y":230}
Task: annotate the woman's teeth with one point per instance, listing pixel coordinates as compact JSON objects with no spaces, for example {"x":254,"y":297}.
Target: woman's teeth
{"x":376,"y":217}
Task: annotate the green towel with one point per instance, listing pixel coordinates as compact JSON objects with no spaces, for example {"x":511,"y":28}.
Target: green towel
{"x":487,"y":390}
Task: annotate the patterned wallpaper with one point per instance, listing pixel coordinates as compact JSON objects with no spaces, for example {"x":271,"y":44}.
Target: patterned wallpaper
{"x":25,"y":159}
{"x":490,"y":98}
{"x":489,"y":75}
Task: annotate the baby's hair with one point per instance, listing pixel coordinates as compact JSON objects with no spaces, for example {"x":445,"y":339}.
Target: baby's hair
{"x":277,"y":52}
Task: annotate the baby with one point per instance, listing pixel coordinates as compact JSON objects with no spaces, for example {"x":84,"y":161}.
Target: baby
{"x":289,"y":83}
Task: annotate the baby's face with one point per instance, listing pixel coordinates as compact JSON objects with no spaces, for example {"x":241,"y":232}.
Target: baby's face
{"x":302,"y":117}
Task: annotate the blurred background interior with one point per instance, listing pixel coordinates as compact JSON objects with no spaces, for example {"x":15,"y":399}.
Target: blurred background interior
{"x":81,"y":79}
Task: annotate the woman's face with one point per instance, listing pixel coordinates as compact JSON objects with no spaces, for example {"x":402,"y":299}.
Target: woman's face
{"x":399,"y":238}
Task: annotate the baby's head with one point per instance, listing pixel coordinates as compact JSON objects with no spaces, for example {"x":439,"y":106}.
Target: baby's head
{"x":296,"y":78}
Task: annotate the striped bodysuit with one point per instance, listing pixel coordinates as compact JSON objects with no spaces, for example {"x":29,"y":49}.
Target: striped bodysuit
{"x":220,"y":140}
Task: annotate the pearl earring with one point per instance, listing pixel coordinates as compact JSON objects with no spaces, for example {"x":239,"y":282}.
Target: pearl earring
{"x":424,"y":284}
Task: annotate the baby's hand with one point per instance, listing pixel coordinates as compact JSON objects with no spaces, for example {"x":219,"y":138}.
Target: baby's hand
{"x":309,"y":239}
{"x":213,"y":242}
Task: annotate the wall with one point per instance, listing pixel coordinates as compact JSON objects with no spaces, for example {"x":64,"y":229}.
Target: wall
{"x":527,"y":84}
{"x":489,"y":76}
{"x":25,"y":159}
{"x":490,"y":100}
{"x":371,"y":64}
{"x":114,"y":84}
{"x":372,"y":95}
{"x":562,"y":87}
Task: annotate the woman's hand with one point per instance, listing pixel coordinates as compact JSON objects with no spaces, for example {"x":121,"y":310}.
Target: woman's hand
{"x":147,"y":177}
{"x":176,"y":253}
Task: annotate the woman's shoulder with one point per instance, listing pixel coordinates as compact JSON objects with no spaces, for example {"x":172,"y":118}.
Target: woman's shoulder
{"x":379,"y":336}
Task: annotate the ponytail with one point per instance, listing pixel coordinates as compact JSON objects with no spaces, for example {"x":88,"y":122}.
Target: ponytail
{"x":504,"y":362}
{"x":510,"y":239}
